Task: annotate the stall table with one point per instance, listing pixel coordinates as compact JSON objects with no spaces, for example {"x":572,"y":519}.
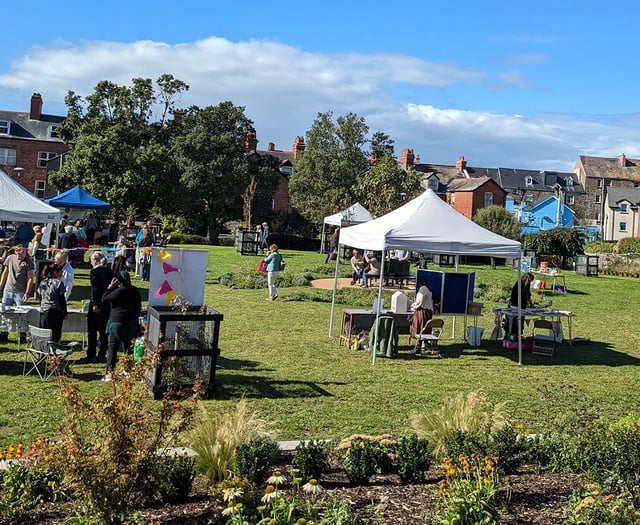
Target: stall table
{"x":355,"y":321}
{"x":531,"y":313}
{"x":18,"y":319}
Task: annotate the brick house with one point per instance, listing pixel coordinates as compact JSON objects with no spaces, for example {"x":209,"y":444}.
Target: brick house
{"x":27,"y":142}
{"x":600,"y":174}
{"x":468,"y":195}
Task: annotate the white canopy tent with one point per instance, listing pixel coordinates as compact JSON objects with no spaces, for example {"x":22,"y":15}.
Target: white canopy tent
{"x":19,"y":205}
{"x":427,"y":224}
{"x":354,"y":214}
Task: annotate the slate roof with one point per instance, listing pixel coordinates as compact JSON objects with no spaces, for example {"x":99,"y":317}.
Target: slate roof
{"x":464,"y":184}
{"x":610,"y":168}
{"x":23,"y":127}
{"x":617,"y":195}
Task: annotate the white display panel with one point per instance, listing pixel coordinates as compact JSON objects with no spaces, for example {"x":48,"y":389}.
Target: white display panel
{"x":177,"y":272}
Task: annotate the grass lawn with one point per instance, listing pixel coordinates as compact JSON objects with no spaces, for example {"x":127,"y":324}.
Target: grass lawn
{"x":280,"y":357}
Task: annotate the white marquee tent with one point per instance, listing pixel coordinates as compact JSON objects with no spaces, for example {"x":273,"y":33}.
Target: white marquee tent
{"x":354,"y":214}
{"x":426,"y":224}
{"x":19,"y":205}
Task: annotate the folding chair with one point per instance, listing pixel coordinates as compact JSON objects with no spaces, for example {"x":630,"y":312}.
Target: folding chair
{"x":544,"y":337}
{"x":427,"y":340}
{"x":44,"y":356}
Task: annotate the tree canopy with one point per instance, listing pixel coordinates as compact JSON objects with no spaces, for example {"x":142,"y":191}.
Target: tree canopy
{"x":498,"y":220}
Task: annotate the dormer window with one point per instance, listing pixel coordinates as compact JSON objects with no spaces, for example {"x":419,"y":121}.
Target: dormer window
{"x":569,"y":181}
{"x":528,"y":180}
{"x":286,"y":170}
{"x":624,"y":207}
{"x":432,"y":184}
{"x":5,"y":127}
{"x":53,"y":134}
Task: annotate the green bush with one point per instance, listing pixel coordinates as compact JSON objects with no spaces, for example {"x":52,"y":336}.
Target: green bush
{"x":365,"y":458}
{"x":187,"y":238}
{"x":174,"y":476}
{"x":599,"y":247}
{"x":254,"y":459}
{"x":311,"y":459}
{"x":629,"y":245}
{"x":593,"y":505}
{"x":413,"y":459}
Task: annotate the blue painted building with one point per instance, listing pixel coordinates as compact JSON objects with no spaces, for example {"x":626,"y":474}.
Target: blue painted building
{"x":545,"y":214}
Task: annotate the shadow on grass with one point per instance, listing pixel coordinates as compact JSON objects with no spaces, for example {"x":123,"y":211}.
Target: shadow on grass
{"x":580,"y":353}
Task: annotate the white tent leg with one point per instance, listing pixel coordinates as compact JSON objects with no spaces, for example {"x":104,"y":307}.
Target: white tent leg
{"x":335,"y":288}
{"x":375,"y":336}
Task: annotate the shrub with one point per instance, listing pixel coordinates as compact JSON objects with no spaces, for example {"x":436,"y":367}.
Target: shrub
{"x":413,"y":458}
{"x":465,"y":412}
{"x":254,"y":459}
{"x":629,"y":245}
{"x":108,"y":448}
{"x":217,"y":434}
{"x":187,"y":238}
{"x":174,"y":478}
{"x":340,"y":512}
{"x":311,"y":459}
{"x":599,"y":247}
{"x":592,"y":504}
{"x":365,"y":458}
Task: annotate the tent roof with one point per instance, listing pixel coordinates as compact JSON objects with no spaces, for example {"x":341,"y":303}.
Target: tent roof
{"x":356,"y":213}
{"x":429,"y":224}
{"x":18,"y":204}
{"x":78,"y":198}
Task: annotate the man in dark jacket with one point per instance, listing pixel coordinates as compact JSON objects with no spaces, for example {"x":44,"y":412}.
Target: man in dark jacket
{"x":100,"y":277}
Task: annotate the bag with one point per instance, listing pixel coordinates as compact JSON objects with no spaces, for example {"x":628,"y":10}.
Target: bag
{"x":282,"y":265}
{"x":333,"y":256}
{"x":262,"y":266}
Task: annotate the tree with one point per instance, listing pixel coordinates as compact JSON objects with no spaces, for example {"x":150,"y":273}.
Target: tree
{"x":210,"y":153}
{"x":385,"y":184}
{"x":558,"y":242}
{"x":498,"y":220}
{"x":326,"y":172}
{"x":117,"y":149}
{"x":263,"y":182}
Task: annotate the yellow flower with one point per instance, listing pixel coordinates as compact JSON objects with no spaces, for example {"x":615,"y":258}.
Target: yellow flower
{"x":487,"y":481}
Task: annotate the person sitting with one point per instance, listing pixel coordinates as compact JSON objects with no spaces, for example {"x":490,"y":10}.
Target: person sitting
{"x":422,"y":262}
{"x":422,"y":308}
{"x":372,"y":269}
{"x":357,"y":266}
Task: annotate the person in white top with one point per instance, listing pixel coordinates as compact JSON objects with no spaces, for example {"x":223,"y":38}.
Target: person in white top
{"x":422,"y":307}
{"x":61,"y":258}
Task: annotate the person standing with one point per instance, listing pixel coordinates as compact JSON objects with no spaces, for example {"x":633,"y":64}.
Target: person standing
{"x":17,"y":279}
{"x":265,"y":235}
{"x":122,"y":327}
{"x":333,"y":244}
{"x":144,"y":246}
{"x":91,"y":225}
{"x":53,"y":305}
{"x":61,"y":258}
{"x":100,"y":278}
{"x":23,"y":235}
{"x":36,"y":242}
{"x":422,"y":308}
{"x":274,"y":263}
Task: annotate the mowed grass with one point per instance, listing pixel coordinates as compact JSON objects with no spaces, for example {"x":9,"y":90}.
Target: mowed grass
{"x":280,"y":357}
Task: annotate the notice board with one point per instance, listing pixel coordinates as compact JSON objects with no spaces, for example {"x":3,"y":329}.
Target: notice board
{"x":454,"y":290}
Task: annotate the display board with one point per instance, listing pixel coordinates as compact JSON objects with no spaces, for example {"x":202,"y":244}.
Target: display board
{"x":177,"y":273}
{"x":453,"y":290}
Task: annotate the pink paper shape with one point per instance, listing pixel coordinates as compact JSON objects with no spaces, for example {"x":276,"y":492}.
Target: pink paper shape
{"x":168,"y":268}
{"x":165,"y":287}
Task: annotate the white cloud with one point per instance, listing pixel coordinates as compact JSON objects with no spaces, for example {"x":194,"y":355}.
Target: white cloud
{"x":283,"y":88}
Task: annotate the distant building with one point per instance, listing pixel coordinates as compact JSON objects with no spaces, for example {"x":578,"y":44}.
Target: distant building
{"x":621,"y":217}
{"x":467,"y":196}
{"x":28,"y":140}
{"x":545,"y":214}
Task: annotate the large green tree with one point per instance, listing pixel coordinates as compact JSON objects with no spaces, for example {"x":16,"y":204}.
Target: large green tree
{"x":385,"y":184}
{"x":326,"y":172}
{"x":211,"y":154}
{"x":119,"y":148}
{"x":498,"y":220}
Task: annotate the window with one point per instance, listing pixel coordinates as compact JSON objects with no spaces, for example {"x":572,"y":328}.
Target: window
{"x":623,"y":226}
{"x":570,"y":199}
{"x":432,"y":184}
{"x":599,"y":183}
{"x":488,"y":199}
{"x":41,"y":185}
{"x":53,"y":134}
{"x":43,"y":157}
{"x":452,"y":198}
{"x":569,"y":181}
{"x":8,"y":157}
{"x":5,"y":127}
{"x":607,"y":182}
{"x":624,"y":208}
{"x":597,"y":199}
{"x":528,"y":180}
{"x":597,"y":217}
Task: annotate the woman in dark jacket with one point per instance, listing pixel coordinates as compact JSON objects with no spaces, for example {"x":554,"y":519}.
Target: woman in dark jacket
{"x":53,"y":305}
{"x":122,"y":328}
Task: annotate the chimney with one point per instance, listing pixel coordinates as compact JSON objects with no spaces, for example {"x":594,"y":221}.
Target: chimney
{"x":406,"y":159}
{"x":622,"y":159}
{"x":36,"y":107}
{"x":177,"y":115}
{"x":374,"y":158}
{"x":251,"y":141}
{"x":461,"y":164}
{"x":271,"y":147}
{"x":298,"y":146}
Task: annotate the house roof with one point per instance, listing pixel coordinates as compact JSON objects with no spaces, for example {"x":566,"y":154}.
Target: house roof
{"x":23,"y":127}
{"x":617,"y":195}
{"x":464,"y":184}
{"x":621,"y":168}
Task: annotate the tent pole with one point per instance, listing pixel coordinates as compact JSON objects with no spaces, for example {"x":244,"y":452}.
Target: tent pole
{"x":322,"y":239}
{"x":453,"y":319}
{"x":519,"y":312}
{"x":375,"y":335}
{"x":333,"y":297}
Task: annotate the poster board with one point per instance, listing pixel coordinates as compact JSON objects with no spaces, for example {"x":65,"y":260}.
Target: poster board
{"x":177,"y":272}
{"x":454,"y":290}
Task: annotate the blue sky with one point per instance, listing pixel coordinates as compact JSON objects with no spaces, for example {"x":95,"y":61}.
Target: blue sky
{"x":528,"y":85}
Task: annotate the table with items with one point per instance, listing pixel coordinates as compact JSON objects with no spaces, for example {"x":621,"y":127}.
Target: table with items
{"x":18,"y":318}
{"x":356,"y":321}
{"x":510,"y":315}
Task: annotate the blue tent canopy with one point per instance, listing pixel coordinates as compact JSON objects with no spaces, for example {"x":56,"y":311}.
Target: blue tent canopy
{"x":78,"y":198}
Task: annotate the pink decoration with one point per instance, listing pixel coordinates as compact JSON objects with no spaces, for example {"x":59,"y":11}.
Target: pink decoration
{"x":168,"y":268}
{"x":165,"y":287}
